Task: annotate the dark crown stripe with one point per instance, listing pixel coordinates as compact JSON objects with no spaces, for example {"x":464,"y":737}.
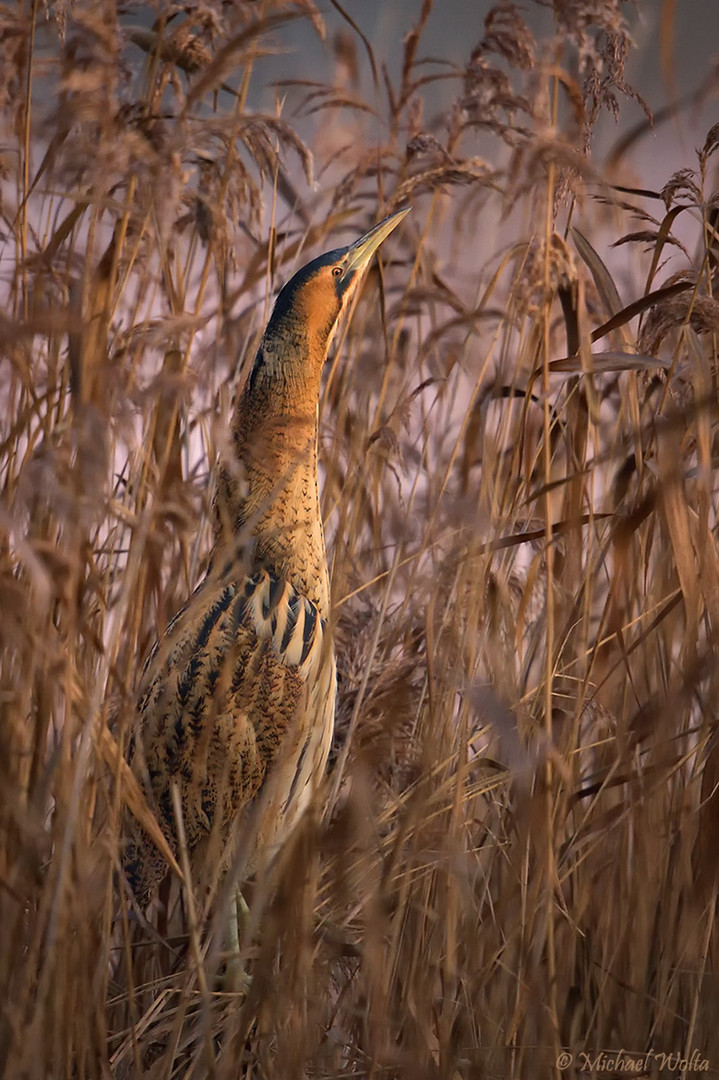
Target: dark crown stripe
{"x":256,"y":369}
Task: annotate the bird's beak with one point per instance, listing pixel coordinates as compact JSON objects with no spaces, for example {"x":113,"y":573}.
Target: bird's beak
{"x":359,"y":254}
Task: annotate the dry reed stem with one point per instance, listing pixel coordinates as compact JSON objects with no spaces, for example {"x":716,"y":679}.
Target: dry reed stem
{"x":515,"y":851}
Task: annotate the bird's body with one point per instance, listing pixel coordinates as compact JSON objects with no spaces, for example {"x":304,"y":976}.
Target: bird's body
{"x":243,"y":680}
{"x":236,"y":702}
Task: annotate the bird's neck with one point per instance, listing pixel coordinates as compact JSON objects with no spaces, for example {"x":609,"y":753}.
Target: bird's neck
{"x":268,"y":494}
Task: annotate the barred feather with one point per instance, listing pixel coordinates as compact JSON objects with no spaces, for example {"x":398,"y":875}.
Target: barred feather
{"x":238,"y":698}
{"x":243,"y":677}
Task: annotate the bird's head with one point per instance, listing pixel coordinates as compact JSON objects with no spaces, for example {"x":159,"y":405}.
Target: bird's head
{"x":317,"y":295}
{"x":276,"y":414}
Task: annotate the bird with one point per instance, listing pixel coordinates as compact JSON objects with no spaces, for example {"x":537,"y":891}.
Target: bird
{"x":236,"y":701}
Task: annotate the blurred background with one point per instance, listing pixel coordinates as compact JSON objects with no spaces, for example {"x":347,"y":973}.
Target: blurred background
{"x":513,"y":861}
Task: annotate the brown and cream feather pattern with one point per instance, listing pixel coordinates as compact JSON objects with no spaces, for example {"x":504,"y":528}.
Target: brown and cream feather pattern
{"x":236,"y":702}
{"x":244,"y":679}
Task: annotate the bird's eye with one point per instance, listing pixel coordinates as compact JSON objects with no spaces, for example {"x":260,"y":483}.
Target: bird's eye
{"x":336,"y":271}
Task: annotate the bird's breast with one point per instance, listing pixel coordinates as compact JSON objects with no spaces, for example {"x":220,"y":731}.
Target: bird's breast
{"x":237,"y":703}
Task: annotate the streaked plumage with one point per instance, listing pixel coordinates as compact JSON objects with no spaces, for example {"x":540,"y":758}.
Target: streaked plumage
{"x":237,"y":700}
{"x":240,"y":667}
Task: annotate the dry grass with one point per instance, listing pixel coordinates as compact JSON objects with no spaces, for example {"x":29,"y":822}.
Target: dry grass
{"x":518,"y":853}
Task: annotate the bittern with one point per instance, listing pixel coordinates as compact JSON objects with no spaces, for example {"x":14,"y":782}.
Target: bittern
{"x":237,"y":701}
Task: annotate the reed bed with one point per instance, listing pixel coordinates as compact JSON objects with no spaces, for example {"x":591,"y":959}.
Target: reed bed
{"x":514,"y":856}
